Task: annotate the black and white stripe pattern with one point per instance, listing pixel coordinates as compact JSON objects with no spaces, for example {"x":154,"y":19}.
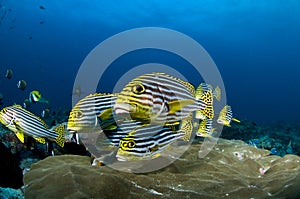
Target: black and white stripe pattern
{"x":146,"y":141}
{"x":225,"y":116}
{"x":160,"y":90}
{"x":18,"y":119}
{"x":85,"y":113}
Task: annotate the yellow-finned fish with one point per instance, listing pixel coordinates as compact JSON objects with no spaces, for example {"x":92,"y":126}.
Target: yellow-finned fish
{"x":22,"y":122}
{"x":146,"y":142}
{"x":89,"y":114}
{"x":202,"y":90}
{"x":225,"y":116}
{"x":204,"y":87}
{"x":205,"y":128}
{"x":158,"y":98}
{"x":36,"y":96}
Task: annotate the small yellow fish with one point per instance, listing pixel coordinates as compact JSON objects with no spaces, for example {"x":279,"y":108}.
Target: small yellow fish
{"x":205,"y":128}
{"x":225,"y":116}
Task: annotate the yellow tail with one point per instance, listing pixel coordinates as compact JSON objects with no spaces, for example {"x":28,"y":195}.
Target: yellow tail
{"x":60,"y":130}
{"x":208,"y":111}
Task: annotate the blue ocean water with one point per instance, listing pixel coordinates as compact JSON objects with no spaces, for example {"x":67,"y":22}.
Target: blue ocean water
{"x":255,"y":45}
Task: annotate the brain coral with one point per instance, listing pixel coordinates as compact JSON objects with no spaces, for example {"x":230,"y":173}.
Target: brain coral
{"x":232,"y":169}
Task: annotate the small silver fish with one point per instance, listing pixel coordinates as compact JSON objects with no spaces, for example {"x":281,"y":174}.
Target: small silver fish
{"x":22,"y":85}
{"x":9,"y":74}
{"x":26,"y":103}
{"x":45,"y":113}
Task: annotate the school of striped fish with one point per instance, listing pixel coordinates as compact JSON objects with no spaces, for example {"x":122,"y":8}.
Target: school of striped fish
{"x":150,"y":114}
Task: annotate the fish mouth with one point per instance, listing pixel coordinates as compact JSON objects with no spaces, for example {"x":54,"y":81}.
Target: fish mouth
{"x":121,"y":159}
{"x":122,"y":108}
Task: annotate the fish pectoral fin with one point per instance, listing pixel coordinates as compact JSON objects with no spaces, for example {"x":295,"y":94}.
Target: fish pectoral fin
{"x":60,"y":130}
{"x":40,"y":140}
{"x":20,"y":136}
{"x":105,"y":114}
{"x":156,"y":155}
{"x":177,"y":105}
{"x":111,"y":127}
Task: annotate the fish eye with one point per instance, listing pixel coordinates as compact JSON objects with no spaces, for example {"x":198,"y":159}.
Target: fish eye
{"x":131,"y":144}
{"x":125,"y":145}
{"x":138,"y":89}
{"x":77,"y":114}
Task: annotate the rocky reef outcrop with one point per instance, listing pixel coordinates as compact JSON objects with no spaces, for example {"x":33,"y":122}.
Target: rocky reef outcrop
{"x":232,"y":169}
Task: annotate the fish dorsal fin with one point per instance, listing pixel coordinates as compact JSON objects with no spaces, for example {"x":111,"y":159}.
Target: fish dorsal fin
{"x":188,"y":85}
{"x":20,"y":136}
{"x":187,"y":127}
{"x":42,"y":121}
{"x":18,"y":106}
{"x":177,"y":105}
{"x":100,"y":94}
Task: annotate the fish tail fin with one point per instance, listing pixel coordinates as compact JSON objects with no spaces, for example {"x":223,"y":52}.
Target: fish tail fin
{"x":60,"y":130}
{"x":235,"y":120}
{"x":207,"y":110}
{"x":43,"y":100}
{"x":217,"y":93}
{"x":187,"y":128}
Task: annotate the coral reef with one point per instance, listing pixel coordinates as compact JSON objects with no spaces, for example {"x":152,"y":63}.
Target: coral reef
{"x":232,"y":169}
{"x":281,"y":137}
{"x":8,"y":193}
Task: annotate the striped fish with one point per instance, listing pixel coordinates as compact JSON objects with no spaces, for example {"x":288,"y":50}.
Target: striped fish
{"x":225,"y":116}
{"x":202,"y":90}
{"x":123,"y":129}
{"x":90,"y":113}
{"x":22,"y":122}
{"x":205,"y":128}
{"x":204,"y":87}
{"x":146,"y":142}
{"x":159,"y":98}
